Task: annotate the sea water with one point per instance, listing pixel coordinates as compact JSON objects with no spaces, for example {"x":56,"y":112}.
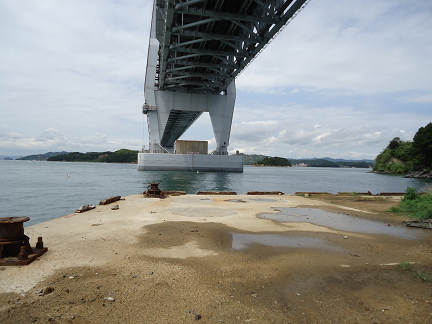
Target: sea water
{"x":46,"y":190}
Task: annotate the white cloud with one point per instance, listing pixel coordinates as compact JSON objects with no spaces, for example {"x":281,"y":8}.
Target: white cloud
{"x":363,"y":47}
{"x":76,"y":66}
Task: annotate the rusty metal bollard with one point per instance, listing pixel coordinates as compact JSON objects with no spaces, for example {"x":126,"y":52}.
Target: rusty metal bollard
{"x":153,"y":191}
{"x":39,"y":244}
{"x":22,"y":256}
{"x":15,"y":248}
{"x":12,"y":236}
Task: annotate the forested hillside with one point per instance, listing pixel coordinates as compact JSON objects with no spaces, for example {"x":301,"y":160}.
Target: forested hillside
{"x":405,"y":156}
{"x":120,"y":156}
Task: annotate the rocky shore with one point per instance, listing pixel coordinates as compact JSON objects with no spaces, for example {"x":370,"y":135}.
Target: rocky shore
{"x":424,"y":174}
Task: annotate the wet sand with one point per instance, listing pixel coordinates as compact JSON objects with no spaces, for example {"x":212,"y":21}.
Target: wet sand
{"x":225,"y":259}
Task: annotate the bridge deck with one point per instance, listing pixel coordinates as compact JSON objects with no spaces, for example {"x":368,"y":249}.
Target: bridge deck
{"x":205,"y":44}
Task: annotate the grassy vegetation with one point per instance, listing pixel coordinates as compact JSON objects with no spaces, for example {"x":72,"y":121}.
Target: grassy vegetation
{"x":414,"y":204}
{"x":355,"y":194}
{"x":379,"y":199}
{"x":423,"y":276}
{"x":302,"y":194}
{"x":405,"y":266}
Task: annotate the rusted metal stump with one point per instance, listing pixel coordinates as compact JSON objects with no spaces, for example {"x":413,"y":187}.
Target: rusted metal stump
{"x":153,"y":191}
{"x":15,"y":248}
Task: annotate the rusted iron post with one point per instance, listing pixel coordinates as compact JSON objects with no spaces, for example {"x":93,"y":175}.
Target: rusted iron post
{"x":15,"y":248}
{"x":39,"y":244}
{"x":12,"y":236}
{"x":23,"y":256}
{"x":153,"y":191}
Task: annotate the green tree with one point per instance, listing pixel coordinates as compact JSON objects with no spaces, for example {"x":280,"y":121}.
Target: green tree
{"x":396,"y":158}
{"x":422,"y":146}
{"x":394,"y":143}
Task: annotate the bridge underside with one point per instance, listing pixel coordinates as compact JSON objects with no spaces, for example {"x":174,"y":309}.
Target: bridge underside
{"x":205,"y":44}
{"x":197,"y":48}
{"x":178,"y":122}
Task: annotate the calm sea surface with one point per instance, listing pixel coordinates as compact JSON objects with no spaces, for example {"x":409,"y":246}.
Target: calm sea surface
{"x":42,"y":190}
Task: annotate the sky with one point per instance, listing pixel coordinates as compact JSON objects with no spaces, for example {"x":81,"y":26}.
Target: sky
{"x":341,"y":80}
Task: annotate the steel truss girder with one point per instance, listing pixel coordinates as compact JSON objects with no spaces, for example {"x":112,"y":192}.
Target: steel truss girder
{"x":200,"y":37}
{"x":215,"y":39}
{"x":195,"y":74}
{"x":228,"y":16}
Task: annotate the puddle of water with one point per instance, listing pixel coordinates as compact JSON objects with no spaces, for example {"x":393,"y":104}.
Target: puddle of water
{"x":243,"y":241}
{"x":337,"y":221}
{"x":262,"y":199}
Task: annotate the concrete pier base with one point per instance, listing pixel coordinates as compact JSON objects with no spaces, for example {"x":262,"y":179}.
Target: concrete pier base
{"x":189,"y":162}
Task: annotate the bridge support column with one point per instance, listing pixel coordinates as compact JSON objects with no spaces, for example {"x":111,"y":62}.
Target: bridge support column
{"x":221,"y":114}
{"x":170,"y":105}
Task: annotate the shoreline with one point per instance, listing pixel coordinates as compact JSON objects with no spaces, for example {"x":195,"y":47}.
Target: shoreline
{"x":412,"y":174}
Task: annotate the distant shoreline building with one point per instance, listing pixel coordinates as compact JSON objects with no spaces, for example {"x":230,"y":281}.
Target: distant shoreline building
{"x":303,"y":165}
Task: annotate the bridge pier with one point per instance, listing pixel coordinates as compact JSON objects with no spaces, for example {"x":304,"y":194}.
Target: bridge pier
{"x":175,"y":111}
{"x":174,"y":108}
{"x":196,"y":51}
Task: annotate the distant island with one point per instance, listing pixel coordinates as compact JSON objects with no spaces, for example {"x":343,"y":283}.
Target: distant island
{"x":273,"y":162}
{"x":413,"y":158}
{"x":333,"y":163}
{"x":130,"y":156}
{"x":120,"y":156}
{"x":40,"y":157}
{"x":325,"y":162}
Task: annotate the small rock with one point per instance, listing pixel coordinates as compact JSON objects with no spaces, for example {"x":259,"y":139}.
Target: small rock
{"x":58,"y":314}
{"x":345,"y":237}
{"x":134,"y":276}
{"x":151,"y":272}
{"x":115,"y":207}
{"x":111,"y":299}
{"x":197,"y":316}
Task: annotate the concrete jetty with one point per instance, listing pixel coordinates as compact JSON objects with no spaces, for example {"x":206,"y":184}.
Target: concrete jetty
{"x":166,"y":260}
